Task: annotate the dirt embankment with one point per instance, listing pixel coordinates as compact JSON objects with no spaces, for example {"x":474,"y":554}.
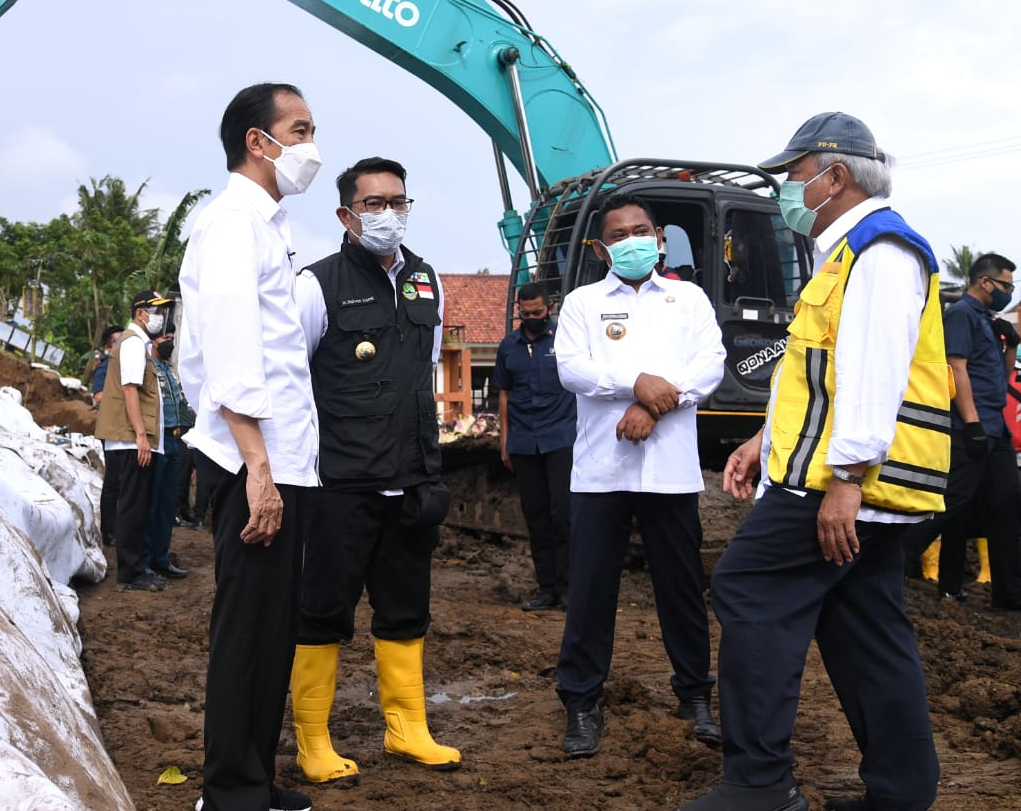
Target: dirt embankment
{"x":44,"y":396}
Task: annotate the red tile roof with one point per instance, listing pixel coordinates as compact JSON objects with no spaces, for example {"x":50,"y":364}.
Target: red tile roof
{"x":477,"y":303}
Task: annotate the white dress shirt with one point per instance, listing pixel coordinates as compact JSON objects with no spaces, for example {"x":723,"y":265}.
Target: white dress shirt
{"x":879,"y":323}
{"x":133,"y":357}
{"x":314,"y":316}
{"x":241,"y":342}
{"x":666,"y":328}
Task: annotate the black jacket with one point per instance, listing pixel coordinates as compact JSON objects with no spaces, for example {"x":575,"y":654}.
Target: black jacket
{"x":372,"y":373}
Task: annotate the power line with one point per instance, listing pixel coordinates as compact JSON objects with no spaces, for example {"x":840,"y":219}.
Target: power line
{"x":940,"y":157}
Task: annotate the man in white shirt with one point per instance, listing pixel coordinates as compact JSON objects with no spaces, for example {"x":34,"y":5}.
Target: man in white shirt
{"x":243,"y":364}
{"x":856,"y":448}
{"x":130,"y":420}
{"x":639,"y":351}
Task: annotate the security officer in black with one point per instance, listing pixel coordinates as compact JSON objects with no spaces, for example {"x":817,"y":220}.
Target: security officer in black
{"x":372,"y":315}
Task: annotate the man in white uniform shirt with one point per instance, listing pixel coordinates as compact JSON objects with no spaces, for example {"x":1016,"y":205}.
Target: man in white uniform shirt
{"x":639,"y":351}
{"x":243,"y":362}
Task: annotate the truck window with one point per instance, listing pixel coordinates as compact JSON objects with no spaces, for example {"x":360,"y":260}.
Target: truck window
{"x":760,"y":258}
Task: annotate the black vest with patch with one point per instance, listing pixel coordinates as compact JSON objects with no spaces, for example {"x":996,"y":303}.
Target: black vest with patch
{"x":372,"y":373}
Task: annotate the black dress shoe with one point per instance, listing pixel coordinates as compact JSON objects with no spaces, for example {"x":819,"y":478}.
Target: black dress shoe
{"x":583,"y":730}
{"x":543,"y":601}
{"x":846,"y":804}
{"x":1006,"y":605}
{"x":781,"y":796}
{"x":147,"y":581}
{"x":697,"y":709}
{"x":170,"y":570}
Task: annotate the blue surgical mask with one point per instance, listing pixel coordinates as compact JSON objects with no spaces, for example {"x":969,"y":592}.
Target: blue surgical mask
{"x":795,"y":213}
{"x":633,"y":258}
{"x":1001,"y":298}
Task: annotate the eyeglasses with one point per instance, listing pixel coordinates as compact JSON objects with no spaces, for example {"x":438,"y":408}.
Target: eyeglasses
{"x":1005,"y":286}
{"x":375,"y":204}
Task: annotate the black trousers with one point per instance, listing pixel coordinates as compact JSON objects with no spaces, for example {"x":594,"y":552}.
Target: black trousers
{"x":108,"y":501}
{"x":772,"y":593}
{"x":184,"y":481}
{"x":251,"y":644}
{"x":355,"y":542}
{"x":134,"y":493}
{"x":993,"y":484}
{"x":544,"y":482}
{"x":672,"y":537}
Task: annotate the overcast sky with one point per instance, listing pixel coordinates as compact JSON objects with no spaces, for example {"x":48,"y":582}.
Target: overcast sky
{"x":136,"y":90}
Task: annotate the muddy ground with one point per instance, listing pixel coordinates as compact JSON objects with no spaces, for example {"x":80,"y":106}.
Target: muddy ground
{"x":490,"y":672}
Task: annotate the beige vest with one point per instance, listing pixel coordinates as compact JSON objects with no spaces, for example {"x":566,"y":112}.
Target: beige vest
{"x":112,"y":422}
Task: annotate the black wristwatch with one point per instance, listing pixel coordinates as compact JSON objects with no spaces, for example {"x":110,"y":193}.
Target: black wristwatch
{"x":848,"y":476}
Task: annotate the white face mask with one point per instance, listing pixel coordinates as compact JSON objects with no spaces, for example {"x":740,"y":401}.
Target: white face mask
{"x":296,"y":167}
{"x":154,"y":326}
{"x":382,"y":232}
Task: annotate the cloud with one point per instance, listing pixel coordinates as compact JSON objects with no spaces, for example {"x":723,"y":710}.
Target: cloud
{"x":35,"y":155}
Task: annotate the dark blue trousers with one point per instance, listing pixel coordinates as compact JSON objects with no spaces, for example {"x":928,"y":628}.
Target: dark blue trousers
{"x":544,"y":482}
{"x":672,"y":537}
{"x":772,"y":593}
{"x":163,"y":503}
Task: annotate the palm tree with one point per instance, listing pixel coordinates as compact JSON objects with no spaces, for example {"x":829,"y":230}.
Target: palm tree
{"x":163,"y":267}
{"x":960,"y":266}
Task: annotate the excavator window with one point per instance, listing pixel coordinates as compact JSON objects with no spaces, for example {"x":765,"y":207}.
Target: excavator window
{"x":760,"y":258}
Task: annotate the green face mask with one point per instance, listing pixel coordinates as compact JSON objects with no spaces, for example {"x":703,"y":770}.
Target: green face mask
{"x":633,"y":258}
{"x":796,"y":214}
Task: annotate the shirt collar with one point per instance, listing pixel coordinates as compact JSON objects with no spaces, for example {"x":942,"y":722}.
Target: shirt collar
{"x":975,"y":304}
{"x":614,"y":283}
{"x":264,"y":204}
{"x":141,"y":333}
{"x":825,"y":242}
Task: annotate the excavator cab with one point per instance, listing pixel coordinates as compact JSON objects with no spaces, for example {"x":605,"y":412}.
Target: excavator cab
{"x":723,"y":232}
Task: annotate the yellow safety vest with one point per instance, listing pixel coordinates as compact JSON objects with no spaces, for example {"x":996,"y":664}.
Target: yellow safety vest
{"x":914,"y":476}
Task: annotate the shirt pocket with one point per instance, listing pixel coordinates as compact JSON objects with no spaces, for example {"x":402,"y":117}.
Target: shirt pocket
{"x":817,"y":311}
{"x":358,"y":425}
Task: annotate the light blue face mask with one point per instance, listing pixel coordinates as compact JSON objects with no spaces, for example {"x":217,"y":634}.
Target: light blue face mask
{"x":633,"y":258}
{"x":796,"y":214}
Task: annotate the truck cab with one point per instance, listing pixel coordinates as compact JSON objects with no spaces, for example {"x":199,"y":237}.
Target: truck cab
{"x":723,"y":232}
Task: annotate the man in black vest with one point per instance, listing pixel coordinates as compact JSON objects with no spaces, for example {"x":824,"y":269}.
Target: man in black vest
{"x":372,"y":315}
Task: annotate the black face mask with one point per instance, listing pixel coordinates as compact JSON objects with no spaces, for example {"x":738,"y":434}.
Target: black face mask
{"x":165,"y":350}
{"x":535,"y":326}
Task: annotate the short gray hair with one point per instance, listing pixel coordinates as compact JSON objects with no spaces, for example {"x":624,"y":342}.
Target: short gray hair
{"x":872,"y":176}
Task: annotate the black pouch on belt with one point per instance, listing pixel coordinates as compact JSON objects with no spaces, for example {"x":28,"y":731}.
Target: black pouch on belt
{"x":425,"y":505}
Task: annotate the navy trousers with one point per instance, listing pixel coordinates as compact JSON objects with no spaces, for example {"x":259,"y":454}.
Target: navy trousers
{"x":163,"y":504}
{"x":672,"y":538}
{"x":772,"y":593}
{"x":992,"y":483}
{"x":544,"y":482}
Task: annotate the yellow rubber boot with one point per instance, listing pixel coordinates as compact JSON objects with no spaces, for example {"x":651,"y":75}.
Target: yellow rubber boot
{"x":983,"y":561}
{"x":313,"y":684}
{"x":930,"y":562}
{"x":402,"y":697}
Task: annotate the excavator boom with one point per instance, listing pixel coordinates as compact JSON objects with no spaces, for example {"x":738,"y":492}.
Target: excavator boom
{"x":468,"y":51}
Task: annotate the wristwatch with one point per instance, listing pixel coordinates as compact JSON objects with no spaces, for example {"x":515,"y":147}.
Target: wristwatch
{"x":848,"y":476}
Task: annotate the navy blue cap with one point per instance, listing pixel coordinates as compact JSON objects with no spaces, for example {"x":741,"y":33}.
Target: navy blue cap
{"x":826,"y":132}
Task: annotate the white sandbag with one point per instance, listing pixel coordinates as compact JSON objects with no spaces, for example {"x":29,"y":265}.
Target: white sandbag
{"x":39,"y":724}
